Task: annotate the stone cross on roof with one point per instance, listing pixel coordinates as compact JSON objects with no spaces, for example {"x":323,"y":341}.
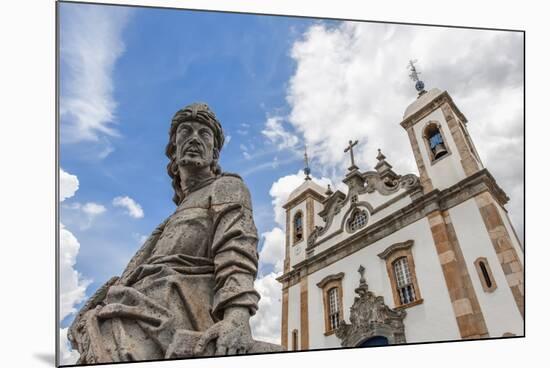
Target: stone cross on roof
{"x":350,"y":150}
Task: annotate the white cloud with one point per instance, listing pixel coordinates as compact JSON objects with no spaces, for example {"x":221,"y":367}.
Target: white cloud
{"x":277,"y":134}
{"x":227,"y":140}
{"x":351,"y":82}
{"x":90,"y":45}
{"x":93,"y":209}
{"x":132,"y":207}
{"x":68,"y":185}
{"x":273,"y":249}
{"x":266,"y":323}
{"x":68,"y":356}
{"x":71,"y":284}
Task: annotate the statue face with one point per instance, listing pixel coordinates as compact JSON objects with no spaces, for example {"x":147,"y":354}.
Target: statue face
{"x":195,"y":144}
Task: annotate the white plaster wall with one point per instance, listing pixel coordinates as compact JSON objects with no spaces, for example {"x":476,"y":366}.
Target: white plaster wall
{"x":448,"y":171}
{"x":510,"y":228}
{"x":430,"y":321}
{"x":499,"y":308}
{"x":403,"y":202}
{"x":293,"y":313}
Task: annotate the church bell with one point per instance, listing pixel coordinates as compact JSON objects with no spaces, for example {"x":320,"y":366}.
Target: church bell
{"x":439,"y":150}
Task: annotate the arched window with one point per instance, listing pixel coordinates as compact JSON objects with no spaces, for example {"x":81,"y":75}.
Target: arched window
{"x":433,"y":137}
{"x":298,"y":227}
{"x":485,"y":275}
{"x":401,"y":271}
{"x":404,"y":281}
{"x":331,"y":287}
{"x":357,"y":220}
{"x":334,"y":308}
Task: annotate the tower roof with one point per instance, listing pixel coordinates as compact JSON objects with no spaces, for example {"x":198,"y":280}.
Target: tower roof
{"x":307,"y":184}
{"x":422,"y":101}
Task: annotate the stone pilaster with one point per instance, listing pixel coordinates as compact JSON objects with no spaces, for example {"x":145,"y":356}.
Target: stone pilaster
{"x":304,"y":314}
{"x":286,"y":263}
{"x":284,"y":319}
{"x":424,"y":178}
{"x":506,"y":254}
{"x":310,"y":212}
{"x":467,"y":159}
{"x":467,"y":310}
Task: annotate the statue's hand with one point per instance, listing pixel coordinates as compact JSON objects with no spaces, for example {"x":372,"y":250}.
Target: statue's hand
{"x":232,"y":334}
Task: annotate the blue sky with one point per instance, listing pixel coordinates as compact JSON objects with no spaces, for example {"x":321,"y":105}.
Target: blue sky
{"x":236,"y":63}
{"x":276,"y":84}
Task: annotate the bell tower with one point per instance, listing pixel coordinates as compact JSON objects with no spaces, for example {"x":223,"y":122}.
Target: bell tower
{"x":442,"y":147}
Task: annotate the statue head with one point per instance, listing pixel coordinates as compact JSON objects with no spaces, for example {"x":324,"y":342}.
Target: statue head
{"x":196,"y":139}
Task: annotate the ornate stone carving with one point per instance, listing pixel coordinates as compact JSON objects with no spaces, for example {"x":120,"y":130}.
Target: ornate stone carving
{"x":371,"y":317}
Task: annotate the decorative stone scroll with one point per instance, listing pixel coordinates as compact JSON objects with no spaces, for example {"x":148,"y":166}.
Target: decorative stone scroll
{"x":371,"y":317}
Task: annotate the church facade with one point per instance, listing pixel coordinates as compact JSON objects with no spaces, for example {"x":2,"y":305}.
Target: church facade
{"x":404,"y":258}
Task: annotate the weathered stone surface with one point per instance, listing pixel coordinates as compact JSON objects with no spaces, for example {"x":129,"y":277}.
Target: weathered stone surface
{"x":189,"y":290}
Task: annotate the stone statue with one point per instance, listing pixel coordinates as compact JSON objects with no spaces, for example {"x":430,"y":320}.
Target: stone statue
{"x":189,"y":290}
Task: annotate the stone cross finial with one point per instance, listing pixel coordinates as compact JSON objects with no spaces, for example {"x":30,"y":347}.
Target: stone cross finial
{"x":361,"y":270}
{"x":350,"y":150}
{"x":307,"y":170}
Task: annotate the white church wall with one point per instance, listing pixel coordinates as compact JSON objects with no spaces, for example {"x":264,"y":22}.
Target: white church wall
{"x":432,"y":320}
{"x":499,"y":308}
{"x":448,"y":171}
{"x":293,"y":313}
{"x":509,"y":228}
{"x":405,"y":201}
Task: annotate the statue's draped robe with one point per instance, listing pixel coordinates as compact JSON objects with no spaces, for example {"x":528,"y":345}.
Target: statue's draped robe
{"x":200,"y":261}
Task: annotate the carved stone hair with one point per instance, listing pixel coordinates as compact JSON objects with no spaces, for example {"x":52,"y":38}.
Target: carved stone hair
{"x":201,"y":113}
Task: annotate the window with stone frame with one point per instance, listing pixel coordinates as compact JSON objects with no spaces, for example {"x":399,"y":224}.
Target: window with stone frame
{"x":295,"y":340}
{"x":401,"y":271}
{"x":485,"y":274}
{"x":405,"y":286}
{"x":298,"y":227}
{"x":331,"y":287}
{"x":357,"y":220}
{"x":435,"y":142}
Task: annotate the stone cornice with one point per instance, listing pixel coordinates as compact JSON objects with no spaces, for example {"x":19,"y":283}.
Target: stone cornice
{"x":395,"y":247}
{"x":329,"y":278}
{"x":482,"y":181}
{"x":302,"y":196}
{"x":431,"y":106}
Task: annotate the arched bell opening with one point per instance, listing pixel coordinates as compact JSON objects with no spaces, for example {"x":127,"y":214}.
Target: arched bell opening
{"x":435,"y":141}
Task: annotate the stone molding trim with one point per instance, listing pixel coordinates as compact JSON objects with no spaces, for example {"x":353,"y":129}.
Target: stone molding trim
{"x":304,"y":315}
{"x":392,"y":254}
{"x":284,"y":319}
{"x":502,"y":243}
{"x":370,"y":317}
{"x":468,"y":314}
{"x":436,"y":200}
{"x":483,"y":275}
{"x":330,"y":278}
{"x":467,"y":159}
{"x":433,"y":105}
{"x":328,"y":283}
{"x":406,"y":245}
{"x":286,"y":264}
{"x":308,"y":193}
{"x":295,"y":340}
